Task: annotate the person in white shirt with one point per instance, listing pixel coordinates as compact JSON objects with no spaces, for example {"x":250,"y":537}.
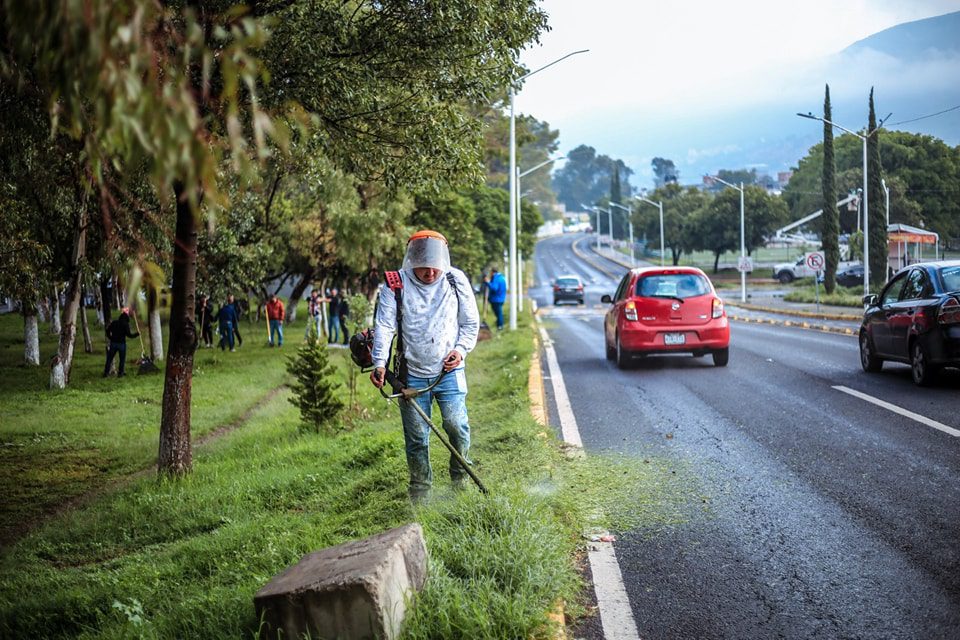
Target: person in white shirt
{"x":439,"y":324}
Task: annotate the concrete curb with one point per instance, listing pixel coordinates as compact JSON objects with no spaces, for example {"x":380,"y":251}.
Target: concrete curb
{"x":795,"y":312}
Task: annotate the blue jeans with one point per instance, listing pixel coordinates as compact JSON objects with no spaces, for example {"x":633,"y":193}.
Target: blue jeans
{"x":313,"y":324}
{"x":451,"y":395}
{"x":333,"y":328}
{"x":498,"y":310}
{"x":276,"y":328}
{"x":226,"y":335}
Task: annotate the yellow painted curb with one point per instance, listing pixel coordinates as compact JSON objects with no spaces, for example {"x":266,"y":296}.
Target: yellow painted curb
{"x":538,"y":404}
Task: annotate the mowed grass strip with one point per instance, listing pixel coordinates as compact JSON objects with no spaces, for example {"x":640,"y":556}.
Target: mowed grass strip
{"x":176,"y":559}
{"x":56,"y":446}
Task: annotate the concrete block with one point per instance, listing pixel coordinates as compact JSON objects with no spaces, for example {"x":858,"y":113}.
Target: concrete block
{"x":354,"y":590}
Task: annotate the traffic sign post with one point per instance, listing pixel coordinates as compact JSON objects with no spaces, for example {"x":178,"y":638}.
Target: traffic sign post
{"x":815,"y":261}
{"x":745,"y":264}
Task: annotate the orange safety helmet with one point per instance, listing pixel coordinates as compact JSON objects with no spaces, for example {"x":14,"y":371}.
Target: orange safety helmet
{"x":427,"y":233}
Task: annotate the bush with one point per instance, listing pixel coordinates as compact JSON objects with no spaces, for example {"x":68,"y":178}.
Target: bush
{"x":314,"y":391}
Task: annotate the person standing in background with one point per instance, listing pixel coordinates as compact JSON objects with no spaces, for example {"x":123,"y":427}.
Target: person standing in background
{"x":497,"y":294}
{"x":344,"y":313}
{"x":227,"y":320}
{"x":205,"y":314}
{"x":276,"y":314}
{"x":237,"y":311}
{"x":333,"y":316}
{"x":313,"y":311}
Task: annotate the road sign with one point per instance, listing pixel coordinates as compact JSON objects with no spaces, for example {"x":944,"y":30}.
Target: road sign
{"x":745,"y":264}
{"x":816,"y":260}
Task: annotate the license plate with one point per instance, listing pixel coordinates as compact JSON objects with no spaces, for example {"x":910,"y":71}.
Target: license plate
{"x":674,"y":338}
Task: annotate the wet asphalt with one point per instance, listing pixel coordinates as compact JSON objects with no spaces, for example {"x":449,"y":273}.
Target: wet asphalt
{"x":813,"y":514}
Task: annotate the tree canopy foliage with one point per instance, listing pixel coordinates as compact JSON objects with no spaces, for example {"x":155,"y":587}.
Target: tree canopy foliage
{"x":586,"y":178}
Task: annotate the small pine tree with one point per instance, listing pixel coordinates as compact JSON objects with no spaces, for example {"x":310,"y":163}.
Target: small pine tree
{"x":314,"y":389}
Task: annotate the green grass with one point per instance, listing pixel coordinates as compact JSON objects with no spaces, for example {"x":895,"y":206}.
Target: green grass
{"x":841,"y":296}
{"x":54,"y":446}
{"x":182,"y":559}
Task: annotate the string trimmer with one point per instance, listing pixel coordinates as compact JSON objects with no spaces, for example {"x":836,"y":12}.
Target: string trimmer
{"x":145,"y":364}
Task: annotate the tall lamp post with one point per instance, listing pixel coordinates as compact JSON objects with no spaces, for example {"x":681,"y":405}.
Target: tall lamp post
{"x":629,"y":213}
{"x":866,"y":199}
{"x":658,"y":205}
{"x":514,"y":280}
{"x":743,"y":238}
{"x":596,"y":235}
{"x":519,"y":217}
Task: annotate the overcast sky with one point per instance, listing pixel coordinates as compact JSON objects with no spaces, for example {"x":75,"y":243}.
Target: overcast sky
{"x":658,"y":62}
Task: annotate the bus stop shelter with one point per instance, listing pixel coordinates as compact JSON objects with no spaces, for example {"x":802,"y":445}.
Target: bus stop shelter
{"x":907,"y":245}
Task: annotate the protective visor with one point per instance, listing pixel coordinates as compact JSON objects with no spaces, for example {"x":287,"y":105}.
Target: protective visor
{"x":427,"y":252}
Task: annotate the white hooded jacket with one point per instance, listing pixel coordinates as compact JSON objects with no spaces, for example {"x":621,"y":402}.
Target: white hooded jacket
{"x":434,"y":322}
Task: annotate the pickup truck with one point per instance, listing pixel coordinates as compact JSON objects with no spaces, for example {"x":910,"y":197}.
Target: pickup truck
{"x":789,"y":271}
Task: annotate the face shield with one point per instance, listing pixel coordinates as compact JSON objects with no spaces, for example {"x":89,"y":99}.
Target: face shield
{"x":427,"y":249}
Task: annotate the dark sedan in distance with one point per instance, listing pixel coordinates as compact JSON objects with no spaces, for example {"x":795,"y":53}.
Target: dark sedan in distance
{"x":851,"y":276}
{"x":568,"y":288}
{"x":915,"y":319}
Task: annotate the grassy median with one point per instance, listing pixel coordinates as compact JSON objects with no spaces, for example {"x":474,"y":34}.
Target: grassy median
{"x":176,"y":559}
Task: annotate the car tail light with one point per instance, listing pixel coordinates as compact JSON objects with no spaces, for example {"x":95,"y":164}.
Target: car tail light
{"x":949,"y":312}
{"x":717,"y":308}
{"x":556,"y":287}
{"x":579,"y":287}
{"x":630,"y":311}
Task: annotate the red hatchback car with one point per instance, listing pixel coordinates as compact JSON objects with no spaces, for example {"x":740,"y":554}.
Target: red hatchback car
{"x":666,"y":310}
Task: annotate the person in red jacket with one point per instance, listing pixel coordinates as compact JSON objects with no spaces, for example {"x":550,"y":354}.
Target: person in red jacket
{"x":275,"y":313}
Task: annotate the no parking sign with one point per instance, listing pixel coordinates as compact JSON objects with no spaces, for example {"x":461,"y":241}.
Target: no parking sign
{"x":816,"y":260}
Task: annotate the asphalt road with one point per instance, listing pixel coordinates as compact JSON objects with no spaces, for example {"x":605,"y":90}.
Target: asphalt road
{"x":826,"y":516}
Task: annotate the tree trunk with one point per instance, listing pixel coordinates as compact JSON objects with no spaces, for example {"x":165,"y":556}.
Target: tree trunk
{"x":60,"y":369}
{"x":294,"y":298}
{"x":105,"y":306}
{"x":31,"y":335}
{"x":175,"y":457}
{"x":716,"y":262}
{"x":156,"y":331}
{"x":87,"y":342}
{"x":55,"y":326}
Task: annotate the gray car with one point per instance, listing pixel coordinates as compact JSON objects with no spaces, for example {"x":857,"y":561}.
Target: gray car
{"x":568,"y":288}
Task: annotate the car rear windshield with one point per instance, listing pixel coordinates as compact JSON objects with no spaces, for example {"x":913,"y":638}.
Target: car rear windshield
{"x":951,"y":278}
{"x":568,"y":282}
{"x":672,"y":285}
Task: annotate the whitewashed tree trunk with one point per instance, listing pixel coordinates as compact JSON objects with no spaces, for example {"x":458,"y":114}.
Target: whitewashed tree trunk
{"x":156,"y":330}
{"x":31,"y":337}
{"x":55,"y":326}
{"x":87,"y":341}
{"x":63,"y":361}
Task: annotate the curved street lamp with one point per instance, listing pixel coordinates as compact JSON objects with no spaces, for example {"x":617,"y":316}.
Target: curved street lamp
{"x":658,"y":205}
{"x":743,"y":241}
{"x":514,"y":284}
{"x":866,"y":198}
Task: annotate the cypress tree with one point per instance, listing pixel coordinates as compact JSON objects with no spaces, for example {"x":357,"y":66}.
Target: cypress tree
{"x":830,"y":220}
{"x":616,"y":196}
{"x":878,"y":218}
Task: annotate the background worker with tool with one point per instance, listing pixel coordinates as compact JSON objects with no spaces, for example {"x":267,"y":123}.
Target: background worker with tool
{"x":117,"y":334}
{"x":438,"y":322}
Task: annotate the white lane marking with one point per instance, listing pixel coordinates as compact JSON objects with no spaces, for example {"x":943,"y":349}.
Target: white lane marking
{"x":568,"y":423}
{"x":903,"y":412}
{"x":616,"y":616}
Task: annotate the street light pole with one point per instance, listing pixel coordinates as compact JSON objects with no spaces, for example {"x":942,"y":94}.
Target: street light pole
{"x":866,"y":197}
{"x":629,"y":213}
{"x":886,"y":192}
{"x":658,"y":205}
{"x":514,"y":284}
{"x":743,"y":238}
{"x":519,"y":218}
{"x":596,"y":236}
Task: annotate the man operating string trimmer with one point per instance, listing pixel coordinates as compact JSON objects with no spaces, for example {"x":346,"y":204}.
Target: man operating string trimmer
{"x":438,"y":323}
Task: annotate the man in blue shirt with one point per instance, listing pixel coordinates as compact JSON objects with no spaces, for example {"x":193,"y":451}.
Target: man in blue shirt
{"x":497,"y":294}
